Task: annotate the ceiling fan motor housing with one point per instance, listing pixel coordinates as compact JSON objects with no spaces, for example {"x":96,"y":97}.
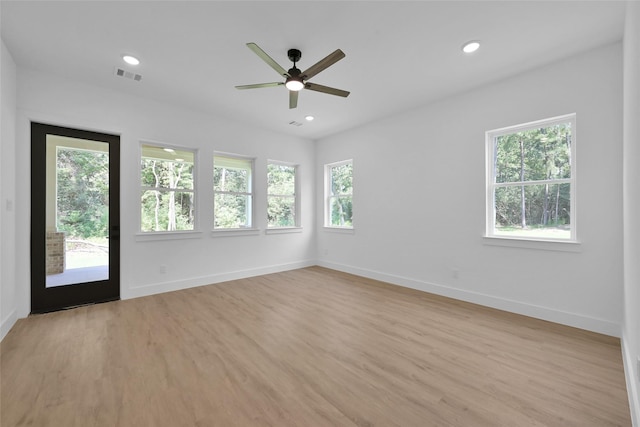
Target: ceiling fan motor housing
{"x":294,"y":72}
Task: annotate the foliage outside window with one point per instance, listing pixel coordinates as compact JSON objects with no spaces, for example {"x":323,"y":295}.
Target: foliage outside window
{"x":232,"y":188}
{"x":339,"y":194}
{"x":282,"y":200}
{"x":167,"y":200}
{"x":530,"y":176}
{"x":82,"y":180}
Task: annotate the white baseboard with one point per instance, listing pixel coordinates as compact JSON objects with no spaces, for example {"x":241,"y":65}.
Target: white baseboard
{"x":156,"y":288}
{"x":7,"y":324}
{"x":632,"y":382}
{"x":570,"y":319}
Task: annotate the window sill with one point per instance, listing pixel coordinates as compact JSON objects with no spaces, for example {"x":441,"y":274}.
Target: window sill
{"x":544,"y":245}
{"x":153,"y":236}
{"x":229,"y":232}
{"x":343,"y":230}
{"x":283,"y":230}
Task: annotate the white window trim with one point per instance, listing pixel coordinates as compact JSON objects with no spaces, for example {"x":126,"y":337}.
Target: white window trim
{"x":531,"y":243}
{"x":229,"y":232}
{"x":283,"y":230}
{"x":163,"y":234}
{"x":490,"y":237}
{"x":296,"y":197}
{"x":327,"y":196}
{"x":342,"y":230}
{"x":147,"y":236}
{"x":240,"y":231}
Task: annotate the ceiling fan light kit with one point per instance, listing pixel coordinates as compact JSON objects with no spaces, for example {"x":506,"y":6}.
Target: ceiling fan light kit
{"x":294,"y":84}
{"x":296,"y":80}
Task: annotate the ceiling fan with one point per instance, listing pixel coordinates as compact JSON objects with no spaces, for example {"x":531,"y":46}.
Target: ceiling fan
{"x":296,"y":80}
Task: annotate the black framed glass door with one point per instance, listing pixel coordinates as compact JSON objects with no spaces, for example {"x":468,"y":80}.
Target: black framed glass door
{"x":75,"y":217}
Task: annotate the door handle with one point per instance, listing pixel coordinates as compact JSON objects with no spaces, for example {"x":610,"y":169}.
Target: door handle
{"x":115,"y":232}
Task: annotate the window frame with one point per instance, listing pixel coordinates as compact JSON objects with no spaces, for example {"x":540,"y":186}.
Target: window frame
{"x":251,"y":228}
{"x":194,"y":191}
{"x":491,"y":185}
{"x":328,"y":196}
{"x":296,"y":196}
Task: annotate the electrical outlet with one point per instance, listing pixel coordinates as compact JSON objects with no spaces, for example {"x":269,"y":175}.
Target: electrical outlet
{"x":455,"y":272}
{"x":163,"y":269}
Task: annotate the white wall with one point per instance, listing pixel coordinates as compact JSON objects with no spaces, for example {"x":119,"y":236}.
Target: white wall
{"x":189,"y":262}
{"x":419,"y":197}
{"x":631,"y":178}
{"x":8,"y":313}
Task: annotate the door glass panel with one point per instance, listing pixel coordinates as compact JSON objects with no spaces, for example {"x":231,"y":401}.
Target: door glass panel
{"x":77,"y":211}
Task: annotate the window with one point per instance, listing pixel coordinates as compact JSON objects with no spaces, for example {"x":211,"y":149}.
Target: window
{"x":339,"y":194}
{"x":531,"y":180}
{"x":167,"y":193}
{"x":233,"y":194}
{"x":282,"y":195}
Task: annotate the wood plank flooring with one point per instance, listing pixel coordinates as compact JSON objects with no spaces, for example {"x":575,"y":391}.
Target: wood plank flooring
{"x":310,"y":347}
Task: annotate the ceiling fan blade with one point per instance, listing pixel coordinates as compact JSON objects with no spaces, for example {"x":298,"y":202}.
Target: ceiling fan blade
{"x":326,"y":89}
{"x":258,"y":85}
{"x":266,"y":58}
{"x":329,"y":60}
{"x":293,"y":99}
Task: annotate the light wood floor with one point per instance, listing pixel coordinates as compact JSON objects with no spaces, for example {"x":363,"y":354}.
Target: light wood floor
{"x":311,"y":348}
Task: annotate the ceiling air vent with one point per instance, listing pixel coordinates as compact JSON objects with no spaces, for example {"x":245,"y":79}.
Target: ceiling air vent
{"x":294,"y":123}
{"x":128,"y":74}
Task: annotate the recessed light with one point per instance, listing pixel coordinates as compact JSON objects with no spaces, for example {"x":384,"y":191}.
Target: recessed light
{"x":169,"y":150}
{"x":131,"y":60}
{"x":470,"y":47}
{"x":309,"y":118}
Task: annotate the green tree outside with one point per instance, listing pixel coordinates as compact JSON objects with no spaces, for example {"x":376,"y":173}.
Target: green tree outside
{"x":522,"y":159}
{"x":281,"y":200}
{"x":82,"y":193}
{"x":341,"y":197}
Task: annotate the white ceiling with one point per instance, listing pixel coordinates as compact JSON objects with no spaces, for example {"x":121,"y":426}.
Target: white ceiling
{"x":399,"y":55}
